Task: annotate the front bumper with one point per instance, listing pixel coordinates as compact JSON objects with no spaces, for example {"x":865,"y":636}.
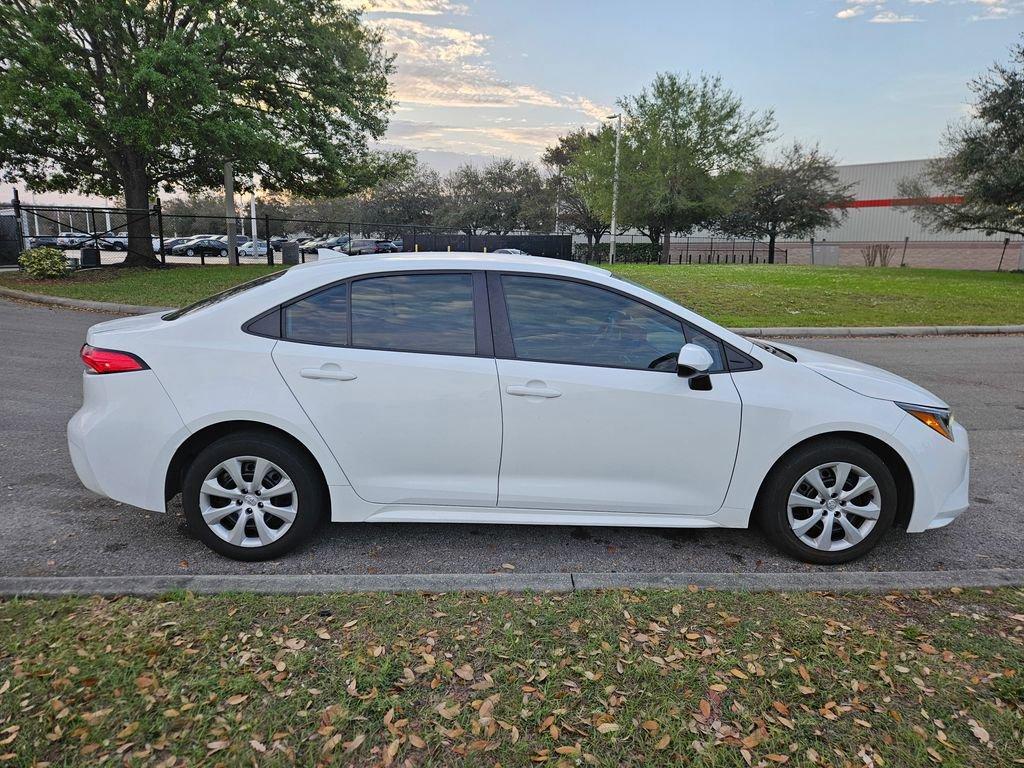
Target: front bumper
{"x":941,"y":471}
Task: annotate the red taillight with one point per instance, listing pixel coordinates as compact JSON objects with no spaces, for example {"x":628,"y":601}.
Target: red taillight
{"x":110,"y":360}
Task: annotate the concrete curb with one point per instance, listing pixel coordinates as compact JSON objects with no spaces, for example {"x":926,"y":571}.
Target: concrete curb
{"x":828,"y":581}
{"x":778,"y":333}
{"x":906,"y":330}
{"x":61,"y":301}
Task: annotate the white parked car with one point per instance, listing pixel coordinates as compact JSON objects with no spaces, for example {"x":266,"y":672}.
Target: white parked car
{"x":472,"y":388}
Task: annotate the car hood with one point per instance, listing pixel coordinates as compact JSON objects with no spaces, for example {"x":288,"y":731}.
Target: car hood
{"x":864,"y":379}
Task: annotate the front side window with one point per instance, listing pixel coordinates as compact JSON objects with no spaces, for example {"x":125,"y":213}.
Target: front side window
{"x":414,"y":313}
{"x":560,"y":321}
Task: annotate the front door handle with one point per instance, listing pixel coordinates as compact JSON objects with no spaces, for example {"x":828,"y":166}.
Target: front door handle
{"x":528,"y":391}
{"x":334,"y":374}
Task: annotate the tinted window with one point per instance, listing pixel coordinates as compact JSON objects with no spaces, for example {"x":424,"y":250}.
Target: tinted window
{"x":321,"y":318}
{"x":565,"y":322}
{"x":414,"y":313}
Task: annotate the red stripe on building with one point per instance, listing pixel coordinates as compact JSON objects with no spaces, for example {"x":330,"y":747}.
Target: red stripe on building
{"x":892,"y":202}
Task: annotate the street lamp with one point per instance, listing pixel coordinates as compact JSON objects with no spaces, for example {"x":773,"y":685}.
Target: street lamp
{"x":615,"y":184}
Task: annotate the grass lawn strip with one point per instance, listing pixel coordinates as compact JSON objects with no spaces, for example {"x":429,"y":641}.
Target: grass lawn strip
{"x":590,"y":678}
{"x":734,"y":295}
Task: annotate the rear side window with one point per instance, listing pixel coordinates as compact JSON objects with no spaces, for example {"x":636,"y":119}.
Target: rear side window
{"x":320,"y":319}
{"x":414,"y":313}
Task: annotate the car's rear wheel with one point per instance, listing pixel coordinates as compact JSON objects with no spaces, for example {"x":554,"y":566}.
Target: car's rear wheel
{"x":190,"y":252}
{"x":252,"y":496}
{"x":828,"y":502}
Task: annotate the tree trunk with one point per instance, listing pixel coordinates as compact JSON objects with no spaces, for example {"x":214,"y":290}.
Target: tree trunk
{"x":140,"y":234}
{"x":771,"y":247}
{"x":666,"y":245}
{"x":590,"y":245}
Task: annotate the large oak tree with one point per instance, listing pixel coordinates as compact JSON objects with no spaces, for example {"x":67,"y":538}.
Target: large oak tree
{"x":979,"y":185}
{"x":125,"y":97}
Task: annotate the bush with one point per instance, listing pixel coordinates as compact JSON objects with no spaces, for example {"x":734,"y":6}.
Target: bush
{"x":44,"y":262}
{"x":625,"y":253}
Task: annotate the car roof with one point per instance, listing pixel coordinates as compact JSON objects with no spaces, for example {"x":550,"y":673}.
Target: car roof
{"x":346,"y":265}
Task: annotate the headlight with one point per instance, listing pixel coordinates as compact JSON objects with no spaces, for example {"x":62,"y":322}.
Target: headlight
{"x":939,"y":419}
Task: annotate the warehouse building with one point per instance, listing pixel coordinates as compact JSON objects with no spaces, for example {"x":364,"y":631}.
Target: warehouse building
{"x":879,"y":215}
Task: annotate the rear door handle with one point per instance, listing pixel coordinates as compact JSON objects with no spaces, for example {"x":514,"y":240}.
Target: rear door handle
{"x":520,"y":391}
{"x":334,"y":374}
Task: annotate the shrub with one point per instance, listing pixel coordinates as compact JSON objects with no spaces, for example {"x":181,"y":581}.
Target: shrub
{"x":880,"y":253}
{"x":44,"y":262}
{"x":625,"y":253}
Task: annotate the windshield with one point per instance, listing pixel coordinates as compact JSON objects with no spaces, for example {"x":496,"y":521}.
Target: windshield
{"x":219,"y":297}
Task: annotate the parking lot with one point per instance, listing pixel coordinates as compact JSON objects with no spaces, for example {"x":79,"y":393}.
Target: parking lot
{"x":53,"y":526}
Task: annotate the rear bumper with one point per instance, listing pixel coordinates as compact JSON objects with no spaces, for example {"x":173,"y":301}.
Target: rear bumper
{"x":941,"y":471}
{"x":122,"y":438}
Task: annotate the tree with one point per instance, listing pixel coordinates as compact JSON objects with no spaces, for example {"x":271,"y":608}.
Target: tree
{"x":984,"y":163}
{"x":685,"y":144}
{"x":791,"y":196}
{"x":503,"y":196}
{"x":411,"y":197}
{"x":132,"y":96}
{"x":575,"y":184}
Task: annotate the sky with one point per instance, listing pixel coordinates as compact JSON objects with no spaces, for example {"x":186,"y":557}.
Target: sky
{"x":870,"y":80}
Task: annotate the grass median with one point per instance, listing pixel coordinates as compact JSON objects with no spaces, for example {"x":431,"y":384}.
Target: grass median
{"x":747,"y":296}
{"x":592,"y":678}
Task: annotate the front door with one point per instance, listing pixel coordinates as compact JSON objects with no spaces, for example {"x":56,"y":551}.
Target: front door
{"x":595,"y":417}
{"x":387,"y":368}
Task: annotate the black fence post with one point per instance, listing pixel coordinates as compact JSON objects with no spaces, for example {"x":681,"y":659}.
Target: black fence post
{"x":266,"y":232}
{"x":160,"y":229}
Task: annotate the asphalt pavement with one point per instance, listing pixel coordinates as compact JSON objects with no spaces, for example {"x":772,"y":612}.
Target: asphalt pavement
{"x":51,"y":526}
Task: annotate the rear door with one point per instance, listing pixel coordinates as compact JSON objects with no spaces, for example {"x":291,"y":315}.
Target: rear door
{"x":396,"y":371}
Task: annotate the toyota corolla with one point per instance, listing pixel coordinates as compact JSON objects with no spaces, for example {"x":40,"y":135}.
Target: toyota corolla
{"x":471,"y":388}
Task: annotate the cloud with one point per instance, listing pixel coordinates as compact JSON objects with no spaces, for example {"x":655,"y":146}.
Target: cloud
{"x":412,"y":7}
{"x":849,"y":13}
{"x":995,"y":10}
{"x":443,"y":66}
{"x":891,"y":17}
{"x":494,"y":138}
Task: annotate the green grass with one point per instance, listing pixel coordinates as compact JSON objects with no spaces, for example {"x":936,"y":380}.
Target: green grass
{"x":738,"y":296}
{"x":172,"y":287}
{"x":595,"y":678}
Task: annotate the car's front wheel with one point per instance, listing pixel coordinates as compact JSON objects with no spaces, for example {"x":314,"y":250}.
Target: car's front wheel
{"x":252,"y":496}
{"x":828,"y":502}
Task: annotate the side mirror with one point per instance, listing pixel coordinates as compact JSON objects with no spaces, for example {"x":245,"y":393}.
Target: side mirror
{"x":693,"y":360}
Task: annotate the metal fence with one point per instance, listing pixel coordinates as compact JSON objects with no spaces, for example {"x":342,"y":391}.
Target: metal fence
{"x":73,"y":228}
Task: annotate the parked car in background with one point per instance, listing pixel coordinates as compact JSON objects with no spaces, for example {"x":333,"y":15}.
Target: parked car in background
{"x":201,"y":247}
{"x":71,"y":239}
{"x":511,"y":252}
{"x":253,"y":248}
{"x":169,"y":243}
{"x":239,"y":239}
{"x":361,"y":247}
{"x":379,"y":390}
{"x":387,"y":246}
{"x":41,"y":241}
{"x":335,"y":242}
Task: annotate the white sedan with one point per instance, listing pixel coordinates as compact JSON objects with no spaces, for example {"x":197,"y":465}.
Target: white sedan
{"x":470,"y":388}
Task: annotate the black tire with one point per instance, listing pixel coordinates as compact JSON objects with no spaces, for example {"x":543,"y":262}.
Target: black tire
{"x":224,"y":254}
{"x":312,"y":502}
{"x":773,"y":510}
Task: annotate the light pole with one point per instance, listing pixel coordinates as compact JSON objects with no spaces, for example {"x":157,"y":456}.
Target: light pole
{"x":615,"y":185}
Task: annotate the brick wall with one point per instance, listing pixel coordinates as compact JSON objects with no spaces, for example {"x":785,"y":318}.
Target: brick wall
{"x":976,"y":255}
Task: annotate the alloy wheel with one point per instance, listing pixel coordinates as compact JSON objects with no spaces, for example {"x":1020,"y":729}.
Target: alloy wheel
{"x":248,"y":501}
{"x":834,"y":506}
